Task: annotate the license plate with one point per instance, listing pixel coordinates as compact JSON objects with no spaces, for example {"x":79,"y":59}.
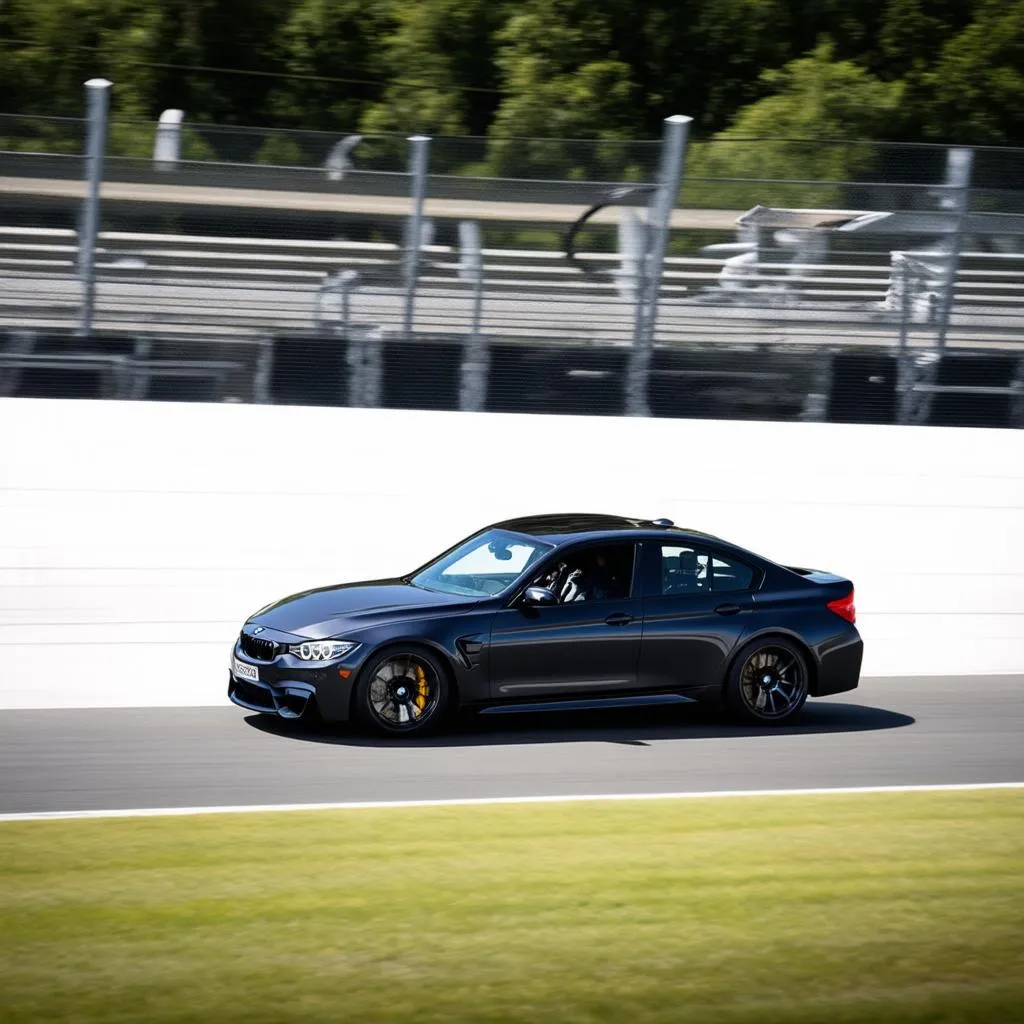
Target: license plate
{"x":240,"y":670}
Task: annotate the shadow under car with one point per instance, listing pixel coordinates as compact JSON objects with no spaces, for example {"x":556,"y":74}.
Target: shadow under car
{"x":635,"y":726}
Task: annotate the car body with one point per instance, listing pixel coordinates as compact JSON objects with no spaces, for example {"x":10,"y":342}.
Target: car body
{"x":550,"y":609}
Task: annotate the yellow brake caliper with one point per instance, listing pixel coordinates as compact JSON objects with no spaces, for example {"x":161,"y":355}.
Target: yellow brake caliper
{"x":422,"y":690}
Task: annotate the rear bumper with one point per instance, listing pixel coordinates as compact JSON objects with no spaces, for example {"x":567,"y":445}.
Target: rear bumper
{"x":839,"y":660}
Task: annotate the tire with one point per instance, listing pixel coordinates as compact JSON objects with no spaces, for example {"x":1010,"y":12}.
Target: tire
{"x":404,"y":691}
{"x":767,"y":682}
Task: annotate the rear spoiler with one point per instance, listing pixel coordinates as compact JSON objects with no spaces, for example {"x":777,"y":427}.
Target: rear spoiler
{"x":818,"y":575}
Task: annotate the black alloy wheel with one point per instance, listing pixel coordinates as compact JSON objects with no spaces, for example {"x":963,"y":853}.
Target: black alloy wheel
{"x":402,"y":692}
{"x":768,"y":682}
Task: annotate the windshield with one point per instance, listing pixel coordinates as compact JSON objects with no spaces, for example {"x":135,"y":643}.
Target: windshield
{"x":482,"y":566}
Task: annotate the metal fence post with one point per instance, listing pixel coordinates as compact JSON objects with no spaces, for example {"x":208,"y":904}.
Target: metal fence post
{"x":959,"y":163}
{"x":475,"y":355}
{"x":167,"y":144}
{"x":673,"y":146}
{"x":98,"y":101}
{"x":341,"y":284}
{"x":419,"y":150}
{"x":901,"y":273}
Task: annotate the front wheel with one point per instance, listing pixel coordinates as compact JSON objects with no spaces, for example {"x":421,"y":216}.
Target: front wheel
{"x":767,"y":684}
{"x":402,"y":693}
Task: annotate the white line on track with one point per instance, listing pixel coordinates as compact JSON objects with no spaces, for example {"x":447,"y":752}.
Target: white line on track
{"x":155,"y":812}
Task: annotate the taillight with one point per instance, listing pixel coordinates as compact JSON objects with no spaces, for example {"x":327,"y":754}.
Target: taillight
{"x":844,"y":608}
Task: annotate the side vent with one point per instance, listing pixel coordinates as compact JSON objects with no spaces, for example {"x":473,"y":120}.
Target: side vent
{"x":469,"y":648}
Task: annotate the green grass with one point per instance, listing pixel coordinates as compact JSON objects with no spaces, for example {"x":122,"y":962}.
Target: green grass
{"x":895,"y":907}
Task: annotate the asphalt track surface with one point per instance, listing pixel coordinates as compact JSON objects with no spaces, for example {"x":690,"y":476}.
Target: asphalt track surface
{"x":889,"y":732}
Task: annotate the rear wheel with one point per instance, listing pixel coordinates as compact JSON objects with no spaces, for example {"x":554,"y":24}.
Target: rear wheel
{"x":403,"y":692}
{"x":767,"y":683}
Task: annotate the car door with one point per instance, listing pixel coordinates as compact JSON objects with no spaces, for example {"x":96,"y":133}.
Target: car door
{"x":697,"y":605}
{"x":578,"y":648}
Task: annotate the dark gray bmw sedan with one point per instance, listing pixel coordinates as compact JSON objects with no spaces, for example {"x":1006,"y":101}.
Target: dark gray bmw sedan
{"x":553,"y":611}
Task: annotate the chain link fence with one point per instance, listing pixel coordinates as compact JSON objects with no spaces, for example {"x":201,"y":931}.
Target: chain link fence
{"x":765,"y":278}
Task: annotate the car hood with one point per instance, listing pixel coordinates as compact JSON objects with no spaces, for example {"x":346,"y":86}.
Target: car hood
{"x":331,"y":611}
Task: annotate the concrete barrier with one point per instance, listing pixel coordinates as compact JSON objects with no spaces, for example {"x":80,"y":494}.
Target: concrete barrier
{"x":135,"y":538}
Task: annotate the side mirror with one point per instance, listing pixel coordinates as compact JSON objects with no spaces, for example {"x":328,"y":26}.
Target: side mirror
{"x":539,"y":595}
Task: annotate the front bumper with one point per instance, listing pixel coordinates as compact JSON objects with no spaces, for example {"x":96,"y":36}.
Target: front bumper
{"x":291,"y":700}
{"x":289,"y":691}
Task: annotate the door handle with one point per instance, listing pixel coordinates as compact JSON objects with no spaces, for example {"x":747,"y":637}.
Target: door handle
{"x":728,"y":609}
{"x":619,"y":619}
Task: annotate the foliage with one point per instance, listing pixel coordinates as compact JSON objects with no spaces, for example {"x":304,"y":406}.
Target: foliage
{"x":814,"y":98}
{"x":442,"y":56}
{"x":320,"y":43}
{"x":976,"y":88}
{"x":600,"y":70}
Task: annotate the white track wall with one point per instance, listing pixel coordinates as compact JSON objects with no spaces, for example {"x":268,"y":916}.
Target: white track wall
{"x":135,"y":538}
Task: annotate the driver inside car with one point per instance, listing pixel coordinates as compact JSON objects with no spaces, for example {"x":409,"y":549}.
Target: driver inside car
{"x":593,"y":580}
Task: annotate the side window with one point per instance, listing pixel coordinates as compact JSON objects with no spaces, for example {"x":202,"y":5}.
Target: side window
{"x":686,"y":570}
{"x":683,"y":570}
{"x":728,"y":576}
{"x":603,"y":573}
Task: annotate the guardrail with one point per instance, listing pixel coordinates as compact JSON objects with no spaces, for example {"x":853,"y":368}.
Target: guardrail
{"x":216,"y":285}
{"x":371,"y":194}
{"x":819,"y":273}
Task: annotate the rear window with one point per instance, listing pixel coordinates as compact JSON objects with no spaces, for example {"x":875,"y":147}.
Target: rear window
{"x":730,"y":575}
{"x":690,"y":570}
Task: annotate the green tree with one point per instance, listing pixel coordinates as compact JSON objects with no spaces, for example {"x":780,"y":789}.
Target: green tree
{"x":441,"y":60}
{"x":835,"y":103}
{"x":233,"y":40}
{"x":975,"y":91}
{"x":533,"y":132}
{"x":705,"y":59}
{"x":562,"y":82}
{"x":333,"y":49}
{"x":48,"y":49}
{"x":852,"y":27}
{"x":602,"y":70}
{"x":914,"y":31}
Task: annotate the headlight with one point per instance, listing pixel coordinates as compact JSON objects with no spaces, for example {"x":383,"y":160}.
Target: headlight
{"x":322,"y":650}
